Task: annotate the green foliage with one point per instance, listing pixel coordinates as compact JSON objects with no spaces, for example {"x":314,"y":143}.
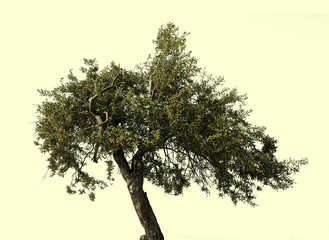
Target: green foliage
{"x":189,"y":126}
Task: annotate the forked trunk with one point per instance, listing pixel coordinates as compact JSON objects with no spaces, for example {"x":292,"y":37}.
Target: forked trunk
{"x":134,"y":178}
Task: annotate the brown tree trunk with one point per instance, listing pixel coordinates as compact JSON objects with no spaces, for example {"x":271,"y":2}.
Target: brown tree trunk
{"x":134,"y":179}
{"x":145,"y":214}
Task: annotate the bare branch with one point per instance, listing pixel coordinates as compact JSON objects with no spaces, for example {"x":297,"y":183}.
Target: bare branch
{"x":91,"y":99}
{"x":103,"y":119}
{"x":87,"y":128}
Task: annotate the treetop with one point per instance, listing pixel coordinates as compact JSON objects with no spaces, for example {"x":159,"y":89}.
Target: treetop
{"x":182,"y":120}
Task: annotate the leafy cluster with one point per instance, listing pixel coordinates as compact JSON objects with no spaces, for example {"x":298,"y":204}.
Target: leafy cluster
{"x":189,"y":127}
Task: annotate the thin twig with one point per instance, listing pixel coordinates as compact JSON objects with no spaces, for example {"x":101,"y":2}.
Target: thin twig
{"x":87,"y":128}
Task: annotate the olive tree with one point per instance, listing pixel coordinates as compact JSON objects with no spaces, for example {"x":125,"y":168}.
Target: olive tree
{"x":167,"y":121}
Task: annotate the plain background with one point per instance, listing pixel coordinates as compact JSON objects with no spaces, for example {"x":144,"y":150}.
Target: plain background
{"x":275,"y":51}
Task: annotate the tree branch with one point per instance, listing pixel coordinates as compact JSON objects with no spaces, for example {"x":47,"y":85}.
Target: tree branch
{"x":102,"y":120}
{"x":122,"y":163}
{"x":79,"y":169}
{"x":87,"y":128}
{"x":91,"y":99}
{"x":136,"y":162}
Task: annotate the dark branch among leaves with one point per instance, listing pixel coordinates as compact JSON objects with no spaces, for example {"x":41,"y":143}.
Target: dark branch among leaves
{"x":167,"y":121}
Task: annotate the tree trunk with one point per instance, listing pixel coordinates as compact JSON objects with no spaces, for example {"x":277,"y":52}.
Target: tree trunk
{"x":145,"y":214}
{"x":134,"y":178}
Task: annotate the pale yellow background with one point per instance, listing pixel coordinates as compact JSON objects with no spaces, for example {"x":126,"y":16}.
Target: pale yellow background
{"x":276,"y":51}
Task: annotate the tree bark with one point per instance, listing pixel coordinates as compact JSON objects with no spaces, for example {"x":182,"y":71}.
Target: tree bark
{"x":145,"y":214}
{"x":134,"y":178}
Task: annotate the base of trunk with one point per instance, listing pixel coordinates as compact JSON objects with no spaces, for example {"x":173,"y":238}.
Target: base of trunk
{"x":144,"y":237}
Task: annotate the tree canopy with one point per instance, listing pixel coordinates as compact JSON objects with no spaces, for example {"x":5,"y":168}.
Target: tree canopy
{"x":183,"y":123}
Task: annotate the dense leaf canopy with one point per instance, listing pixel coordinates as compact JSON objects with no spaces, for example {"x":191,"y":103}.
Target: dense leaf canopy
{"x":188,"y":126}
